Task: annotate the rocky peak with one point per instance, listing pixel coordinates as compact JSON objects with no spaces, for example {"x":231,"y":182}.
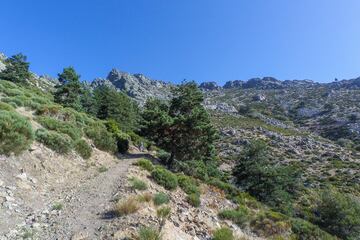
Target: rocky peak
{"x":209,"y":86}
{"x":137,"y":86}
{"x":234,"y":84}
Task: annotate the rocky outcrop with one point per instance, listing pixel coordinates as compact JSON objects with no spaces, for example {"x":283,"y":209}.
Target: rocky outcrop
{"x":209,"y":86}
{"x":2,"y":59}
{"x":136,"y":86}
{"x":234,"y":84}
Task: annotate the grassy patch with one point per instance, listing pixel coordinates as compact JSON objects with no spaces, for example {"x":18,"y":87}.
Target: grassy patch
{"x":127,"y":206}
{"x":223,"y":233}
{"x":160,"y":198}
{"x":149,"y":233}
{"x":138,"y":184}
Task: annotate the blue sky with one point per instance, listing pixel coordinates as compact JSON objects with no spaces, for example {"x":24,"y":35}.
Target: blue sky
{"x":202,"y":40}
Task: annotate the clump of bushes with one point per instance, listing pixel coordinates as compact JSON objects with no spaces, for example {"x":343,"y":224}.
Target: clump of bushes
{"x":16,"y":133}
{"x":164,"y":178}
{"x":83,"y":148}
{"x":127,"y":206}
{"x":188,"y":184}
{"x":6,"y":107}
{"x":102,"y":139}
{"x":160,"y":198}
{"x":138,"y":184}
{"x":304,"y":230}
{"x":149,"y":233}
{"x":58,"y":142}
{"x":338,"y":214}
{"x":60,"y":126}
{"x":240,"y":216}
{"x":145,"y":164}
{"x":223,"y":233}
{"x":122,"y":139}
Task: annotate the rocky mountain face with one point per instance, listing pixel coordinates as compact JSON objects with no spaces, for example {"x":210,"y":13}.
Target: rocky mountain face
{"x":136,"y":86}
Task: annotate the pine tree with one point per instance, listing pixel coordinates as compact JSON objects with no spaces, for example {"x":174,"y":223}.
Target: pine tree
{"x":69,"y":90}
{"x":183,"y":128}
{"x":111,"y":104}
{"x":87,"y":101}
{"x":17,"y":69}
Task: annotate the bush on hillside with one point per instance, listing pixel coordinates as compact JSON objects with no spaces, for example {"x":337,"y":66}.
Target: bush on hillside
{"x":16,"y":133}
{"x":145,"y":164}
{"x":194,"y":199}
{"x":149,"y":233}
{"x":60,"y":126}
{"x":83,"y":148}
{"x":188,"y":184}
{"x":338,"y":214}
{"x":240,"y":216}
{"x":304,"y":230}
{"x":6,"y":107}
{"x":223,"y":233}
{"x":165,"y":178}
{"x":102,"y":139}
{"x":122,"y":139}
{"x":160,"y":198}
{"x":58,"y":142}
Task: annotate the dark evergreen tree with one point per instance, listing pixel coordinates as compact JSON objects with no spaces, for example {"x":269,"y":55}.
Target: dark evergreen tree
{"x":69,"y":90}
{"x":87,"y":100}
{"x":111,"y":104}
{"x":269,"y":183}
{"x":17,"y":69}
{"x":183,"y":128}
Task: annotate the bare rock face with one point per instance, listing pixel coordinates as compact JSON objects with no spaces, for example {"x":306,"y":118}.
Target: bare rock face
{"x":136,"y":86}
{"x":209,"y":86}
{"x":2,"y":59}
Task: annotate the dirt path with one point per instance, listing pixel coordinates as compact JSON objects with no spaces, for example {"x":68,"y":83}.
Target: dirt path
{"x":83,"y":215}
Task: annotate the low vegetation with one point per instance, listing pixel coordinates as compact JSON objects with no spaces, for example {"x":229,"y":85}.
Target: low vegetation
{"x":138,"y":184}
{"x":149,"y":233}
{"x":164,"y":178}
{"x":127,"y":206}
{"x":58,"y":142}
{"x":223,"y":233}
{"x":160,"y":198}
{"x":16,"y":133}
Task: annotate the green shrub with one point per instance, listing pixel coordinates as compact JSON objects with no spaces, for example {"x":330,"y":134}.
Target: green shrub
{"x":188,"y":184}
{"x":160,"y":198}
{"x":223,"y":233}
{"x":164,"y":178}
{"x":138,"y":184}
{"x":163,"y":213}
{"x":102,"y":139}
{"x":145,"y":164}
{"x":6,"y":107}
{"x":239,"y":216}
{"x":16,"y":133}
{"x":338,"y":214}
{"x":163,"y":156}
{"x":194,"y":199}
{"x":228,"y":188}
{"x":304,"y":230}
{"x":122,"y":142}
{"x":58,"y":142}
{"x":149,"y":233}
{"x":60,"y":126}
{"x":83,"y":148}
